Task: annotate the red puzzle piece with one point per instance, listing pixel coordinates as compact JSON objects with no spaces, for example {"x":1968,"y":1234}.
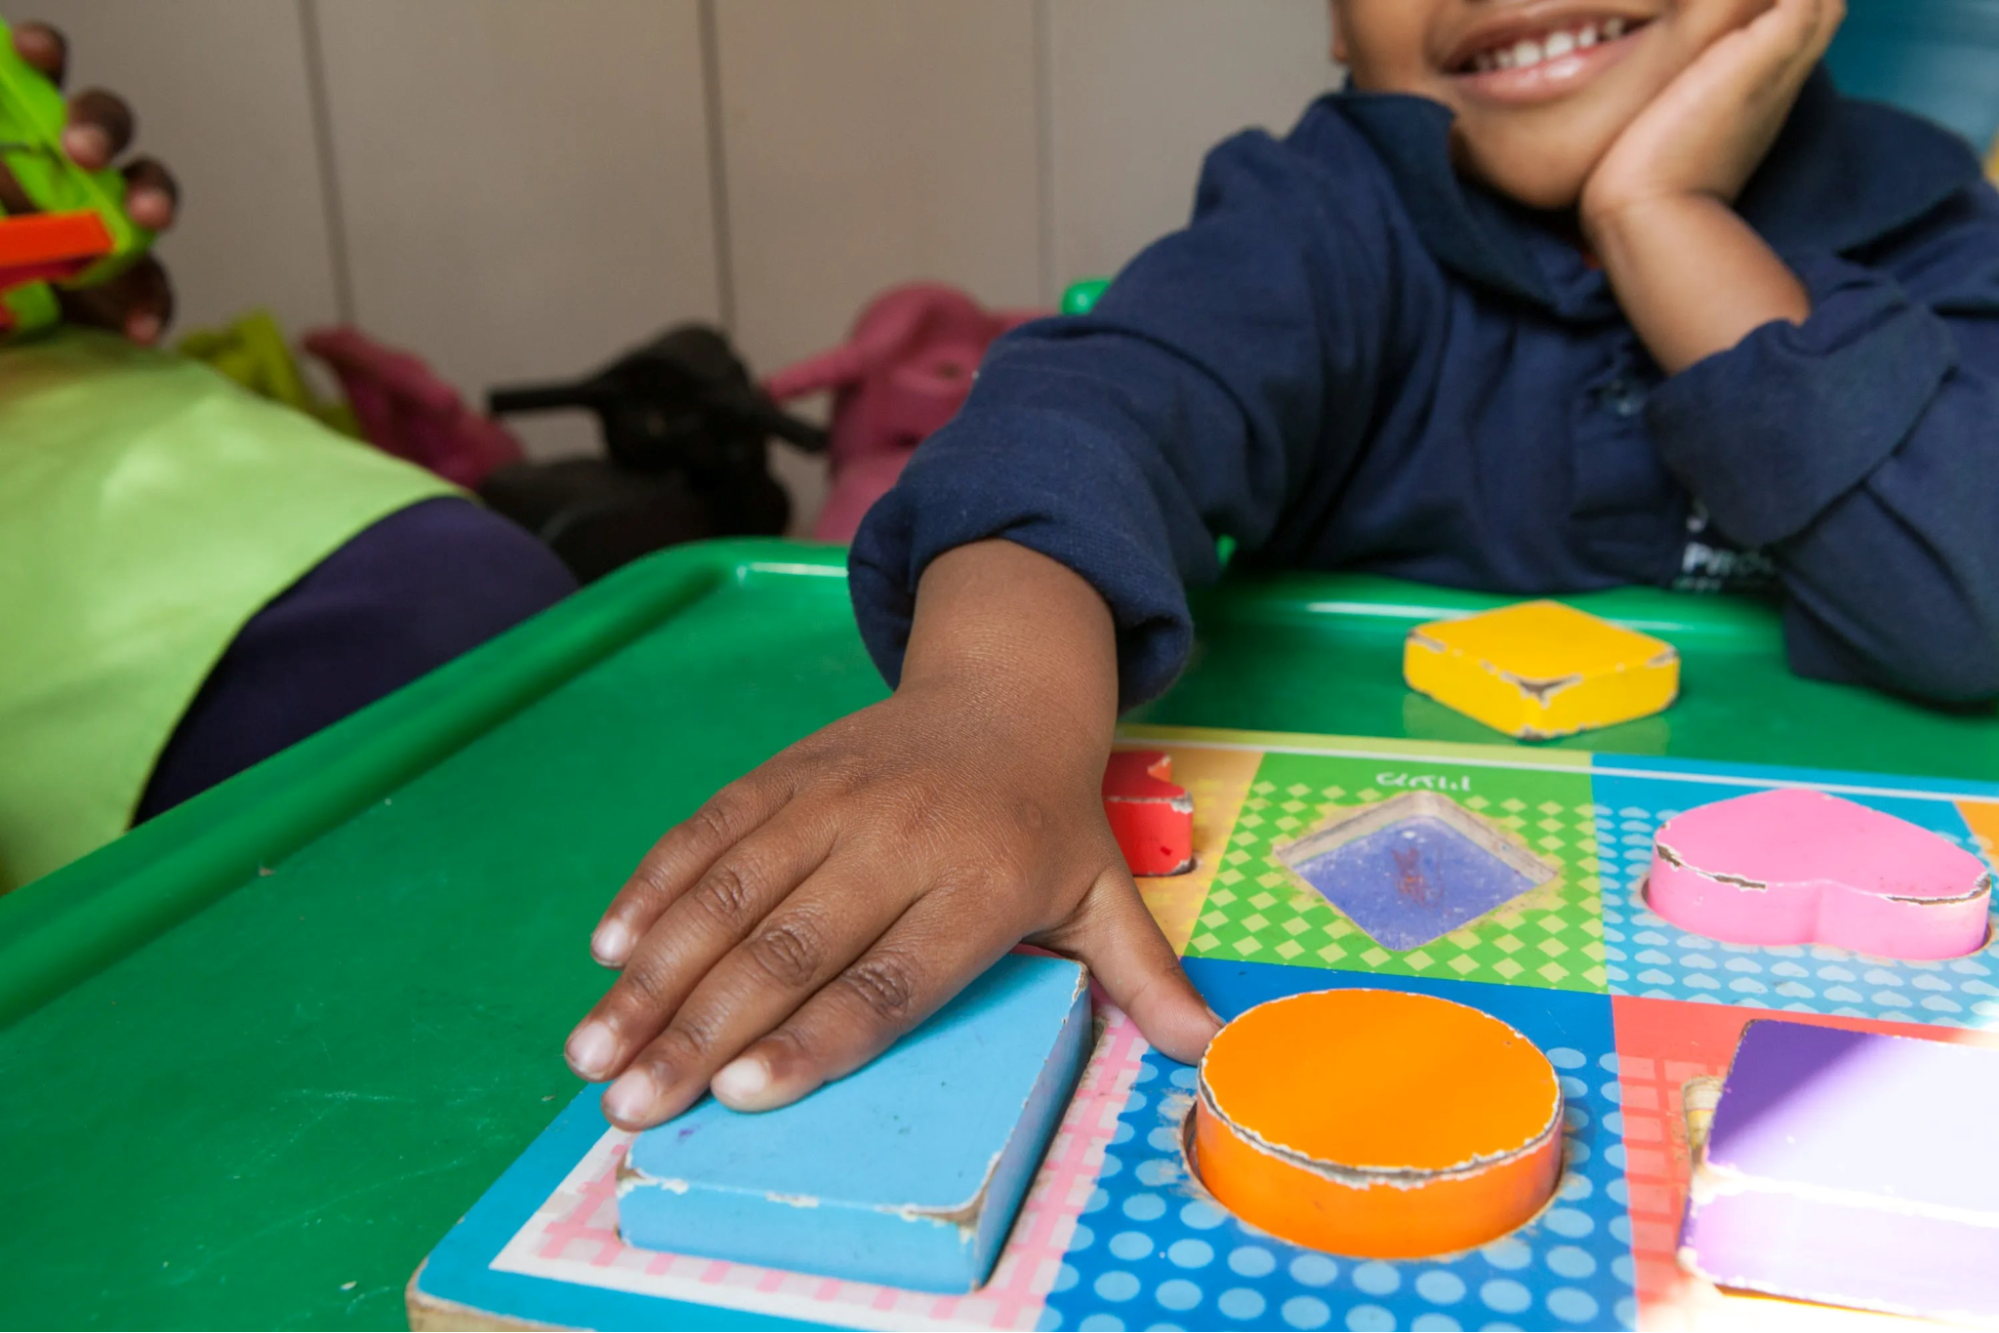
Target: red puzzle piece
{"x":1151,"y":816}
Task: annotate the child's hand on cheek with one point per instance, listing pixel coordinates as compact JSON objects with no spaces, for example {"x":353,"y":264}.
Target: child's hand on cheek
{"x":1705,"y":134}
{"x":819,"y":908}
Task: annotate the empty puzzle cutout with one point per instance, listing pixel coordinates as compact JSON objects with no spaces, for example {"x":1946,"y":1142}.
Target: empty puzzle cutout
{"x":1414,"y":868}
{"x":1794,"y":866}
{"x":1377,"y":1123}
{"x":1151,"y":816}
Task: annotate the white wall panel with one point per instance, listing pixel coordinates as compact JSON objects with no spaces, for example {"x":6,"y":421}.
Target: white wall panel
{"x":524,"y":186}
{"x":872,"y":142}
{"x":1139,"y":90}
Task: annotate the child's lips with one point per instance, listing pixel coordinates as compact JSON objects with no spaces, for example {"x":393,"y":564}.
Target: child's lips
{"x":1543,"y":66}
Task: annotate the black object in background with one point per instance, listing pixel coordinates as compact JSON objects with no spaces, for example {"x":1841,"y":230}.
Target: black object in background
{"x":687,"y":436}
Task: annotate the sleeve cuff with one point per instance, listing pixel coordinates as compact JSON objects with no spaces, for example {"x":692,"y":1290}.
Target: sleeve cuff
{"x":1772,"y":431}
{"x":1085,"y":504}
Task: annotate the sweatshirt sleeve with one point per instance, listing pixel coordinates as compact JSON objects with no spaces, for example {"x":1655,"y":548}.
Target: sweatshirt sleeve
{"x":1861,"y":450}
{"x":1186,"y":406}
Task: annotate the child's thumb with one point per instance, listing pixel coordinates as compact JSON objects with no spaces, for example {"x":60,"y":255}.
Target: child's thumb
{"x":1116,"y":936}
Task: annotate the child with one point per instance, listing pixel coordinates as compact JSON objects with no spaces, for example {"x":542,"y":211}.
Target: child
{"x":1559,"y":296}
{"x":192,"y":579}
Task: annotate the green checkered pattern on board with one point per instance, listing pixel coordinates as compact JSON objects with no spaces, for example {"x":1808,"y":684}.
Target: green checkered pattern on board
{"x":1258,"y":911}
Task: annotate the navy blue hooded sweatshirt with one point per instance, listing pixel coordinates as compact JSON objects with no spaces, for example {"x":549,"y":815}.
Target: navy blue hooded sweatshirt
{"x":1354,"y":359}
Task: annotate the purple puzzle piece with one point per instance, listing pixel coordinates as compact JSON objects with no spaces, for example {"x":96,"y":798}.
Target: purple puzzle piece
{"x":1413,"y":869}
{"x":1852,"y":1168}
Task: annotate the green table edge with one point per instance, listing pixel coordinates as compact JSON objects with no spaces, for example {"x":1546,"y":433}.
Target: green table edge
{"x":68,"y":925}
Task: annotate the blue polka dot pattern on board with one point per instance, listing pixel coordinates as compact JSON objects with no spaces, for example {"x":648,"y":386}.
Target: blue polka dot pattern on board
{"x":1571,"y":1306}
{"x":1130,"y":1245}
{"x":1116,"y":1285}
{"x":1505,"y":1295}
{"x":1434,"y":1323}
{"x":1203,"y":1216}
{"x":1305,"y":1312}
{"x":1241,"y":1303}
{"x":1663,"y":962}
{"x":1440,"y":1286}
{"x":1313,"y":1270}
{"x":1201,"y":1268}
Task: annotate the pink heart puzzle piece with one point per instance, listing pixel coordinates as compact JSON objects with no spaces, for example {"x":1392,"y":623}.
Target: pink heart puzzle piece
{"x":1793,"y":866}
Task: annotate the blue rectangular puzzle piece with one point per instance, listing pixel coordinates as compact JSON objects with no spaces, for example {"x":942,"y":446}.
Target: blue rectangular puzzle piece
{"x":907,"y":1173}
{"x":1412,"y":869}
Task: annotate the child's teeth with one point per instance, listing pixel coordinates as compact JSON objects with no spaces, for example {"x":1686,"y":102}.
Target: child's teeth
{"x":1587,"y":37}
{"x":1503,"y":59}
{"x":1613,"y":29}
{"x":1558,"y":45}
{"x":1526,"y":52}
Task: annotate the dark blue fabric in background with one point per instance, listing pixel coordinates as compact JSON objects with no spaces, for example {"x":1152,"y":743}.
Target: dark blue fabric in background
{"x":1351,"y":358}
{"x":401,"y":598}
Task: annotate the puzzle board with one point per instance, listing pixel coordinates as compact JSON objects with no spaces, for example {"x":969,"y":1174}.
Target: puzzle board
{"x":1115,"y":1234}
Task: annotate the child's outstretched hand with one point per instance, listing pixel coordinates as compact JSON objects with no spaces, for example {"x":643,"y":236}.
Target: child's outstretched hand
{"x":138,"y":302}
{"x":1705,"y":134}
{"x":817,"y":909}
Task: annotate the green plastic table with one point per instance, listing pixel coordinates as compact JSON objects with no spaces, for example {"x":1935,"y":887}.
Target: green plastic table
{"x":260,"y":1054}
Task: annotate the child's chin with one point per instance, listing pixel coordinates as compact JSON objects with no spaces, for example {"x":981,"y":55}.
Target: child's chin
{"x":1528,"y":179}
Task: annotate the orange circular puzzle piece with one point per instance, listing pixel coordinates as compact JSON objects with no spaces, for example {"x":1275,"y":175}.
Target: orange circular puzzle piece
{"x":1377,"y":1123}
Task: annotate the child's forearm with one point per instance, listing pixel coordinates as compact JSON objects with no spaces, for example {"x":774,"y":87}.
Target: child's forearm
{"x":1692,"y":276}
{"x":1014,"y":630}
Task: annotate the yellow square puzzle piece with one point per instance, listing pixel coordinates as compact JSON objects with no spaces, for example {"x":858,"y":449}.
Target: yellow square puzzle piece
{"x":1541,"y":669}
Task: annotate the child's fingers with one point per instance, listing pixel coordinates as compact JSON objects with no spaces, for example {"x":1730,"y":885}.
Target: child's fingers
{"x":824,"y":926}
{"x":1116,"y":936}
{"x":152,"y":196}
{"x":100,"y":127}
{"x":45,"y":48}
{"x":681,"y":857}
{"x":926,"y":957}
{"x":702,"y":925}
{"x":139,"y":303}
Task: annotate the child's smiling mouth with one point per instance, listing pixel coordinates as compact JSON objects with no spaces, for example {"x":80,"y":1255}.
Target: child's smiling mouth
{"x":1529,"y":57}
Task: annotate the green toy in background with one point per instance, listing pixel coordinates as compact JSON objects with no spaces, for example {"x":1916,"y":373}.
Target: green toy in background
{"x":79,"y":234}
{"x":252,"y":351}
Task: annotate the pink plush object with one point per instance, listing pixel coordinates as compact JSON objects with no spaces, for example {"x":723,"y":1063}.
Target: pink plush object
{"x":406,"y":410}
{"x":903,"y":372}
{"x":1800,"y":867}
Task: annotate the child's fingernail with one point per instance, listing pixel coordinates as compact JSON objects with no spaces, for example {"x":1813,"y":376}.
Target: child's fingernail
{"x":143,"y":329}
{"x":742,"y":1080}
{"x":630,"y":1097}
{"x":590,"y":1049}
{"x":611,"y":943}
{"x":1219,"y":1020}
{"x":86,"y":143}
{"x":149,"y":208}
